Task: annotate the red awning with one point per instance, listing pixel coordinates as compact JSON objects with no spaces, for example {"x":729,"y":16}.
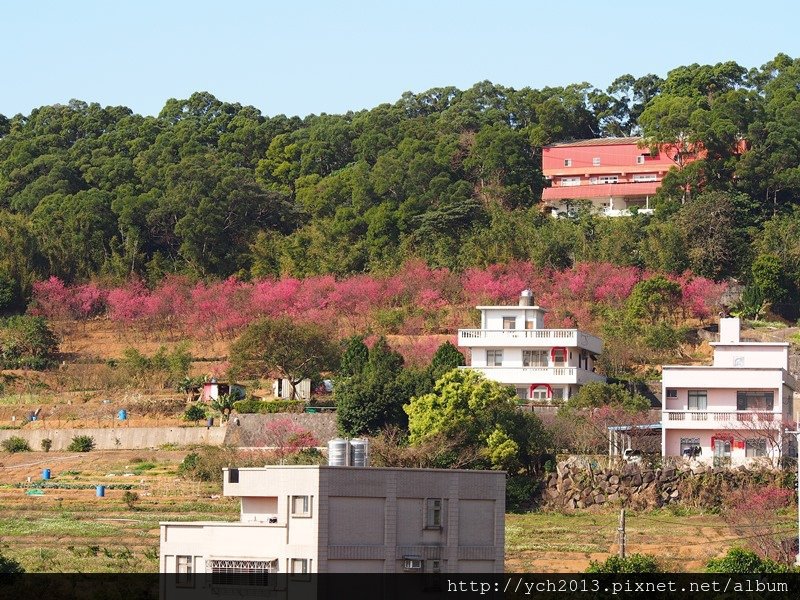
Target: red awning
{"x":605,"y":190}
{"x":546,"y":385}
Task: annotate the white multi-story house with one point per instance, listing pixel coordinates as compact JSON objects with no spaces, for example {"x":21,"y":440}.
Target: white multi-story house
{"x":734,"y":411}
{"x":330,"y":519}
{"x":513,"y":347}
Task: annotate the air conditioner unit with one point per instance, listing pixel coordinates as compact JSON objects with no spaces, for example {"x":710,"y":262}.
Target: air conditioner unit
{"x":412,"y":563}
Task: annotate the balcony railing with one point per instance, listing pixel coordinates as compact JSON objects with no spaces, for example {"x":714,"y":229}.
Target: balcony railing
{"x":528,"y":375}
{"x":530,"y":337}
{"x":537,"y":334}
{"x":625,"y":212}
{"x":730,"y":416}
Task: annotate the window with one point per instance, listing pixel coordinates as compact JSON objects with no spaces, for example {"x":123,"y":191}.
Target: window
{"x":412,"y":563}
{"x":299,"y":569}
{"x":539,"y":394}
{"x":494,"y":358}
{"x":301,"y":506}
{"x":509,"y":322}
{"x":241,"y":572}
{"x":607,"y":179}
{"x":559,"y":357}
{"x":183,"y":568}
{"x":433,"y":513}
{"x":567,"y":162}
{"x":233,"y":475}
{"x":534,"y":358}
{"x":558,"y":394}
{"x":298,"y":565}
{"x":698,"y":400}
{"x":755,"y":447}
{"x":640,"y":177}
{"x":640,"y":160}
{"x":761,"y":401}
{"x":690,"y":447}
{"x":596,"y":161}
{"x":570,"y":181}
{"x":672,"y":393}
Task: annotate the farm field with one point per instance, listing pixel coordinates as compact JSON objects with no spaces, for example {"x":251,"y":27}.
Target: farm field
{"x":69,"y":528}
{"x":566,"y":543}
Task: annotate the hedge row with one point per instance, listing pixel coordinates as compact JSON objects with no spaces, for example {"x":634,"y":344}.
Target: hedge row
{"x":272,"y":406}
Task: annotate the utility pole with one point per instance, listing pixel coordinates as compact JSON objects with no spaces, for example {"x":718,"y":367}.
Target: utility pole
{"x":621,"y":530}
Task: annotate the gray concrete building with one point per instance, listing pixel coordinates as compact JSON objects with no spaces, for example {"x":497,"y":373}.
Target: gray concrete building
{"x":328,"y":519}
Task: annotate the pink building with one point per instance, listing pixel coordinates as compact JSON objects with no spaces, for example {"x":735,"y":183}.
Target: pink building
{"x":734,"y":411}
{"x":614,"y":174}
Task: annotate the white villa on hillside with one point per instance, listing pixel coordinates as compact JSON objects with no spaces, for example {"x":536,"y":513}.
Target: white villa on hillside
{"x":513,"y":347}
{"x":331,"y":519}
{"x":731,"y":412}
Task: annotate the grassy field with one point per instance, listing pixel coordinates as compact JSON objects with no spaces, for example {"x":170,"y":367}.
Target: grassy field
{"x":68,"y":529}
{"x":559,"y":542}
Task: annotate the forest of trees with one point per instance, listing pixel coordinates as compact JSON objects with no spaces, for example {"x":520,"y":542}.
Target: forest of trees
{"x":209,"y":189}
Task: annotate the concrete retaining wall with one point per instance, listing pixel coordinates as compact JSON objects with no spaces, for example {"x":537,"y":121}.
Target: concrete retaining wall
{"x":249,"y":432}
{"x":121,"y":438}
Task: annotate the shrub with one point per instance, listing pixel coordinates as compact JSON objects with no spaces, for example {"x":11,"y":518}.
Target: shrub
{"x":634,"y":563}
{"x":752,"y":512}
{"x":287,"y":437}
{"x":306,"y":456}
{"x":265,"y":407}
{"x":166,"y":369}
{"x":738,"y":560}
{"x":130,"y":499}
{"x":81,"y":443}
{"x":46,"y":444}
{"x":8,"y":566}
{"x":194,"y":413}
{"x":26,"y":342}
{"x":206,"y":463}
{"x":16,"y":444}
{"x":519,"y":491}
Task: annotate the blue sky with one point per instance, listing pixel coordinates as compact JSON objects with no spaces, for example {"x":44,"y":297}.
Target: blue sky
{"x":300,"y":56}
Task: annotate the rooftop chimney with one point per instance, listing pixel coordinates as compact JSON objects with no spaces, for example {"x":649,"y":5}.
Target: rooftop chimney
{"x":526,"y":298}
{"x":729,"y":330}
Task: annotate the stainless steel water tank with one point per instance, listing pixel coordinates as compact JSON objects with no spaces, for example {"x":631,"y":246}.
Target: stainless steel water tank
{"x":338,"y":452}
{"x":359,"y":455}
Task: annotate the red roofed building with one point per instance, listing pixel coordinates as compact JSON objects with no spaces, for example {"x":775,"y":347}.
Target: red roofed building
{"x":614,"y":174}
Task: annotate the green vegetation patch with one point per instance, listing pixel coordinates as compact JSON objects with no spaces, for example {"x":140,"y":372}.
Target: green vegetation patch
{"x":266,"y":407}
{"x":61,"y":525}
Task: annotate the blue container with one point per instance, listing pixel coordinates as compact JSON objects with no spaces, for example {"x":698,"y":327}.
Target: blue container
{"x":46,"y":474}
{"x":122,"y":414}
{"x":101,"y":491}
{"x":210,"y":422}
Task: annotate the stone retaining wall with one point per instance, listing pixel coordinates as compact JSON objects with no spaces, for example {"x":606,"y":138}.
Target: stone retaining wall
{"x":248,"y":433}
{"x":579,"y":483}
